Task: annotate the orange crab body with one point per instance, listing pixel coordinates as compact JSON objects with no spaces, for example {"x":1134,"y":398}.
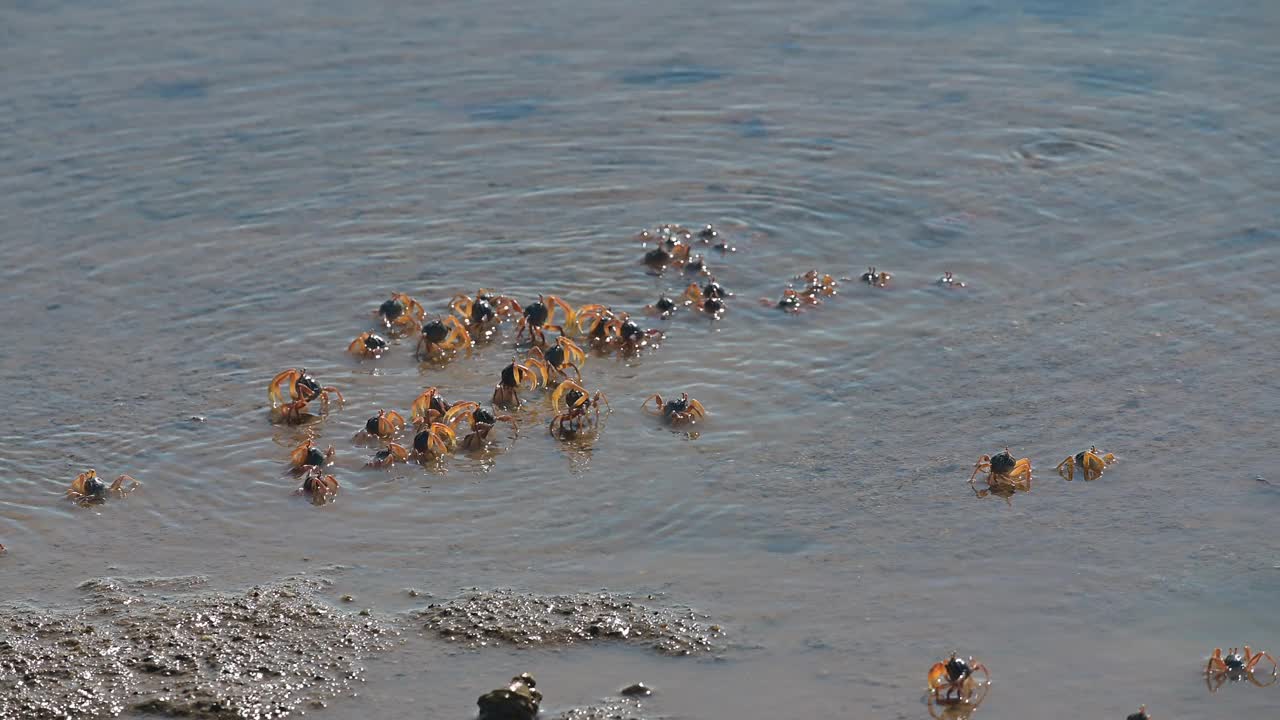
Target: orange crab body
{"x":303,"y":389}
{"x":576,"y":409}
{"x":89,"y":489}
{"x":1091,"y":463}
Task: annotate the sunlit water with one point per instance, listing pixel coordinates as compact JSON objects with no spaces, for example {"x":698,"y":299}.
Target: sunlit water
{"x":197,"y":197}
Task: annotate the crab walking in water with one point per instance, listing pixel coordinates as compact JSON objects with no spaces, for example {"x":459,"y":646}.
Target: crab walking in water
{"x":506,"y":394}
{"x":428,"y":407}
{"x":386,"y":424}
{"x":303,"y":388}
{"x":89,"y":489}
{"x":1092,"y":463}
{"x":683,"y":409}
{"x":443,"y":338}
{"x":876,"y":279}
{"x":368,"y":345}
{"x":481,"y":421}
{"x":1235,"y":667}
{"x":953,"y":682}
{"x":1002,"y":470}
{"x":576,"y":409}
{"x":553,"y":362}
{"x":320,"y":487}
{"x":401,"y":314}
{"x":308,"y":455}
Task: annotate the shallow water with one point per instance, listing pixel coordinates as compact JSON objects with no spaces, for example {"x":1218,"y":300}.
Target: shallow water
{"x":198,"y":198}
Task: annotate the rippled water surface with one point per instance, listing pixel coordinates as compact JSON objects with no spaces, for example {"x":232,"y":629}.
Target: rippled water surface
{"x":197,"y":196}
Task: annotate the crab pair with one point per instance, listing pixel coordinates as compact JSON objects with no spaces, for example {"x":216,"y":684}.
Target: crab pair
{"x":708,"y":298}
{"x":576,"y":409}
{"x":432,"y":442}
{"x":1235,"y":666}
{"x":89,"y":489}
{"x":303,"y":388}
{"x":680,"y":411}
{"x":608,"y":331}
{"x":483,"y":312}
{"x":953,"y":683}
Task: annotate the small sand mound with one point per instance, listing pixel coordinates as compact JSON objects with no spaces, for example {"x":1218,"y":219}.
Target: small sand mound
{"x":497,"y":617}
{"x":258,"y":655}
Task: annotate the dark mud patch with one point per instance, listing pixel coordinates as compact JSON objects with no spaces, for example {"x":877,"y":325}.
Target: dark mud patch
{"x":504,"y":617}
{"x":164,"y":647}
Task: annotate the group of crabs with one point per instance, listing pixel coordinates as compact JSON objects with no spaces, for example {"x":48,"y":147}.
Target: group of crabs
{"x":956,"y":690}
{"x":673,"y":248}
{"x":440,"y":427}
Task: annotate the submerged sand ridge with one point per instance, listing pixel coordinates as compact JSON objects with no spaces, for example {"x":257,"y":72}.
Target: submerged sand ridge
{"x":172,"y":647}
{"x":505,"y":617}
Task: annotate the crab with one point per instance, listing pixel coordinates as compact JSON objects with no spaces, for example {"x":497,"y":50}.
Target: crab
{"x":554,"y":360}
{"x":386,"y":424}
{"x":572,"y":403}
{"x":519,"y":700}
{"x":401,"y":313}
{"x":434,"y":441}
{"x":694,"y":295}
{"x":663,"y":307}
{"x":482,"y":313}
{"x":696,"y":265}
{"x":428,"y":407}
{"x":89,"y":489}
{"x":1091,"y":462}
{"x":1140,"y":715}
{"x":791,"y":301}
{"x":388,"y":456}
{"x":308,"y":455}
{"x":598,"y":323}
{"x":876,"y":279}
{"x":322,"y":488}
{"x":1234,"y":667}
{"x":368,"y":345}
{"x":303,"y":388}
{"x":481,"y":422}
{"x":669,"y":251}
{"x":506,"y":393}
{"x":949,"y":281}
{"x":443,"y":337}
{"x":816,"y":285}
{"x":537,"y":317}
{"x":709,"y":234}
{"x":1002,"y":470}
{"x":953,"y":682}
{"x":709,"y":299}
{"x":676,"y":412}
{"x":632,"y":338}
